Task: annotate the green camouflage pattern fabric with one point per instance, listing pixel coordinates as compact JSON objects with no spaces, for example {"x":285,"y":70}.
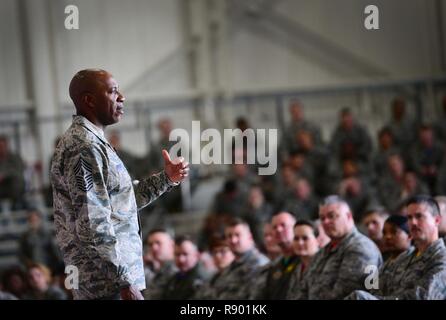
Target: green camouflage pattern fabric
{"x":278,"y":279}
{"x":337,"y":271}
{"x":185,"y":285}
{"x":238,"y":280}
{"x":413,"y":277}
{"x":95,"y":211}
{"x":159,"y":281}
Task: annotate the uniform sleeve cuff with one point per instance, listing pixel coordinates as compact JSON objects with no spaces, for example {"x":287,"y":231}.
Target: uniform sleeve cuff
{"x":170,"y":182}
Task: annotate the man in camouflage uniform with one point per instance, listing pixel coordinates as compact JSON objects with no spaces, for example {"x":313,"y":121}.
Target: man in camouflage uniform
{"x":95,"y":202}
{"x":191,"y":277}
{"x":340,"y":267}
{"x":419,"y":273}
{"x":161,"y":249}
{"x":237,"y":281}
{"x":298,"y":123}
{"x":279,"y":274}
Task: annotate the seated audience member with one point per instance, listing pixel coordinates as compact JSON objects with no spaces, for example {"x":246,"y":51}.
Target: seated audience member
{"x":161,"y":247}
{"x":416,"y":273}
{"x":339,"y":268}
{"x":190,"y":278}
{"x":239,"y":278}
{"x":272,"y":249}
{"x":15,"y":282}
{"x":305,"y":246}
{"x":40,"y":284}
{"x":279,"y":273}
{"x":373,"y":222}
{"x":222,"y":257}
{"x":257,"y":213}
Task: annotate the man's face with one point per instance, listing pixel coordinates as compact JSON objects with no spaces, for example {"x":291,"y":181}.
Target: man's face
{"x":395,"y":239}
{"x":303,"y":189}
{"x":336,"y":220}
{"x":269,"y":240}
{"x":161,"y":246}
{"x":305,"y":243}
{"x":422,"y":224}
{"x":283,"y":229}
{"x":37,"y":279}
{"x":222,"y":256}
{"x":374,"y":224}
{"x":395,"y":165}
{"x":108,"y":102}
{"x":186,"y":256}
{"x":256,"y":197}
{"x":239,"y":238}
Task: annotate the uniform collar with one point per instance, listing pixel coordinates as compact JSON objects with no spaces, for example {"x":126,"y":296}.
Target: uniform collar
{"x":334,"y":245}
{"x":87,"y":124}
{"x":432,"y":249}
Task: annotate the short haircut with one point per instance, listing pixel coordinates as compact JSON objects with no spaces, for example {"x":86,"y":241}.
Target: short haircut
{"x":333,"y":199}
{"x":381,"y":211}
{"x":276,"y":213}
{"x":427,"y":200}
{"x":305,"y":222}
{"x":36,"y":211}
{"x":179,"y":240}
{"x":169,"y":232}
{"x":237,"y":221}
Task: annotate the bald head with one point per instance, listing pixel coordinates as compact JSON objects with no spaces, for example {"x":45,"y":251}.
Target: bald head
{"x":95,"y":94}
{"x":85,"y":81}
{"x":283,"y":223}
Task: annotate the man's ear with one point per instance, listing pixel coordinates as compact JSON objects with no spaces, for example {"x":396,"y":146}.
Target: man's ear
{"x":437,"y":220}
{"x":350,"y":215}
{"x":89,"y":100}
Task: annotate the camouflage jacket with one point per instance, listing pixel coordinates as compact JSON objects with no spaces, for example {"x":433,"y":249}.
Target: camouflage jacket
{"x":95,"y":211}
{"x":337,"y":271}
{"x":296,"y":279}
{"x":413,"y":277}
{"x":237,"y":280}
{"x":278,"y":279}
{"x":159,"y":281}
{"x":184,"y":286}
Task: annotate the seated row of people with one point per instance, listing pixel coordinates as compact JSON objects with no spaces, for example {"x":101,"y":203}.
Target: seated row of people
{"x":305,"y":261}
